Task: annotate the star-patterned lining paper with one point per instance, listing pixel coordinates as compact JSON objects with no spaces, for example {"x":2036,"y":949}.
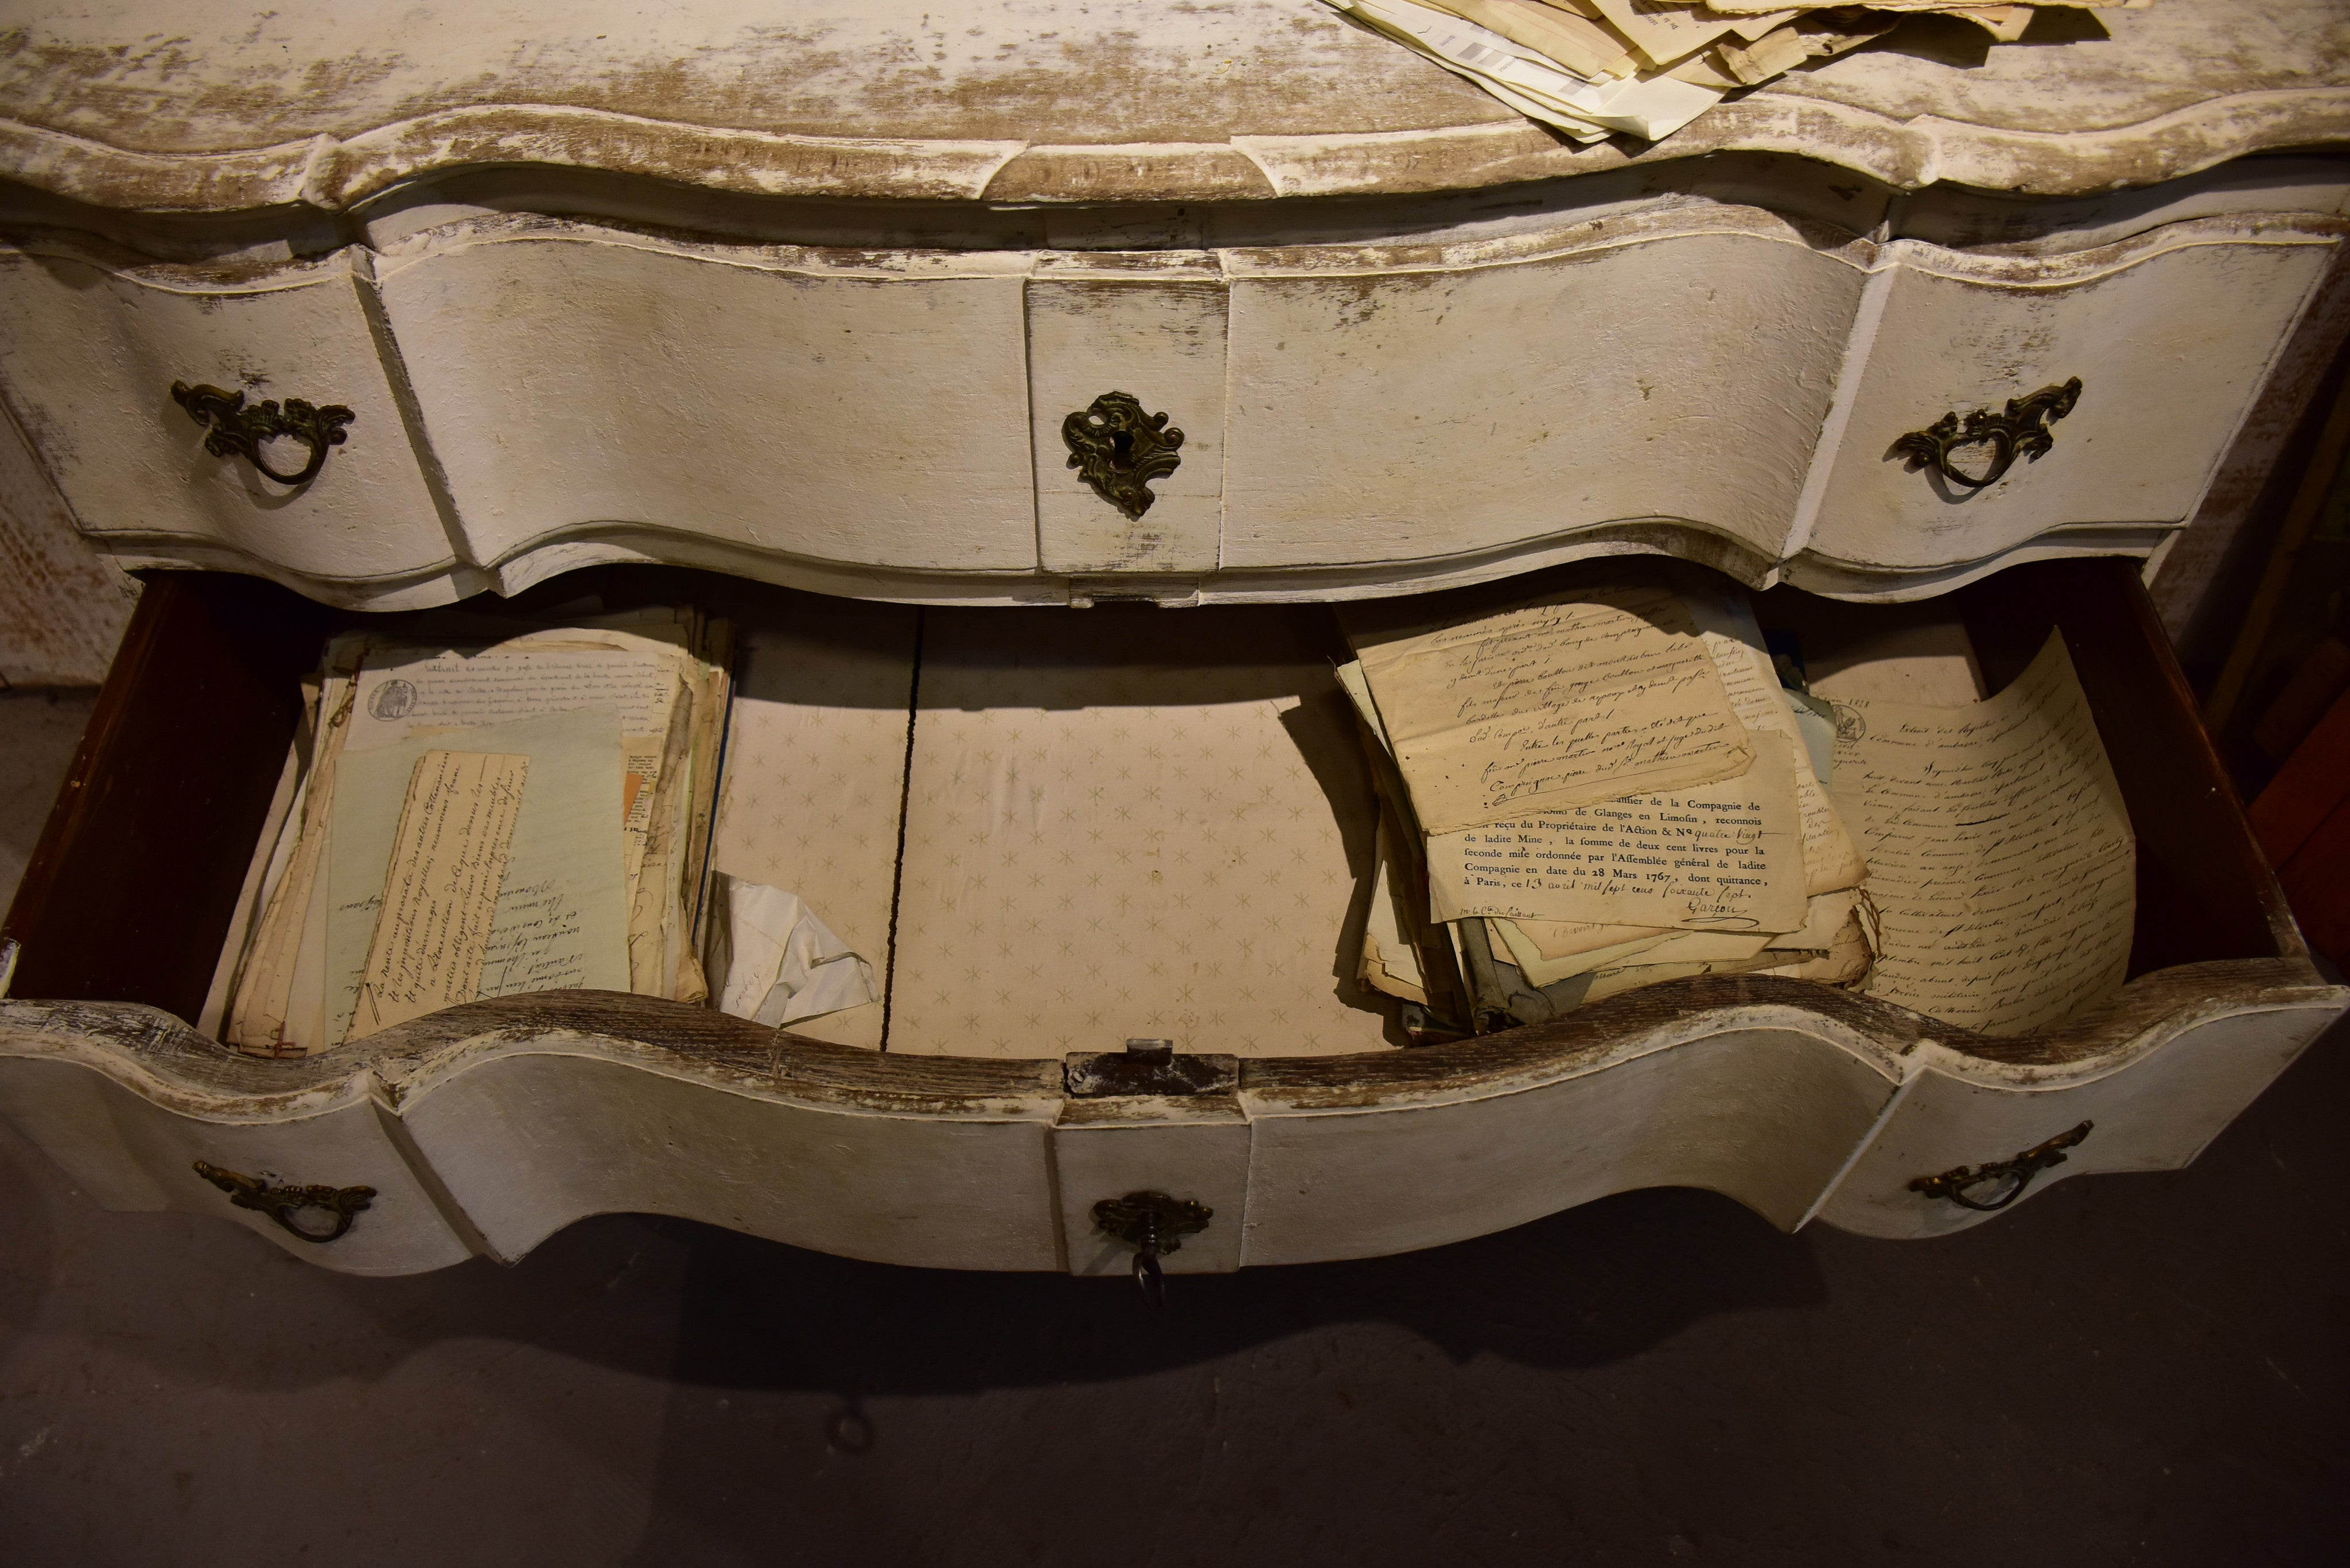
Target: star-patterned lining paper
{"x":815,"y":770}
{"x":1133,"y":822}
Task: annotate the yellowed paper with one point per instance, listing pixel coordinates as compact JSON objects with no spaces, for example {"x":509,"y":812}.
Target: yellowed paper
{"x":1542,"y":971}
{"x":2001,"y":860}
{"x":1752,"y":7}
{"x":1844,"y":959}
{"x":1664,"y":32}
{"x":1831,"y":859}
{"x":1555,"y":940}
{"x":1554,"y":706}
{"x":448,"y":863}
{"x":1390,"y":962}
{"x":1608,"y":983}
{"x":268,"y":1017}
{"x":1725,"y":856}
{"x":652,"y":899}
{"x":1585,"y":48}
{"x":2004,"y":23}
{"x":416,"y":694}
{"x":1824,"y":915}
{"x":561,"y":921}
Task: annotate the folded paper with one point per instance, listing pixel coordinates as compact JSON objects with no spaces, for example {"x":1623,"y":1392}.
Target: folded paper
{"x":777,"y":963}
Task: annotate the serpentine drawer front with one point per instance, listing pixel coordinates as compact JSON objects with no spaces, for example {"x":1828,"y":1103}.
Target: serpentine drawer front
{"x":486,"y":1128}
{"x":2170,"y":334}
{"x":1354,"y":418}
{"x":92,"y":338}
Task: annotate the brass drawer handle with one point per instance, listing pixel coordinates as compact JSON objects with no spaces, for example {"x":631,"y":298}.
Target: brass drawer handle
{"x":282,"y":1203}
{"x":2016,"y":1174}
{"x":1118,"y":449}
{"x":1152,"y":1223}
{"x":233,"y":430}
{"x":2021,"y":431}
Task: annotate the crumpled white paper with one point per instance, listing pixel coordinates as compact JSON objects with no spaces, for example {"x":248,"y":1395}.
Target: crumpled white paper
{"x":779,"y":964}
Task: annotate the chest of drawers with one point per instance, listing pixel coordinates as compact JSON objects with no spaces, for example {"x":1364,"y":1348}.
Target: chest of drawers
{"x":815,"y":304}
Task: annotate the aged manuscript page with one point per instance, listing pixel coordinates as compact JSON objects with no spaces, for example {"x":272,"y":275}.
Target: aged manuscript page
{"x":1724,"y":857}
{"x":1553,"y":706}
{"x":448,"y":862}
{"x":562,"y":913}
{"x":2001,"y":859}
{"x":418,"y":692}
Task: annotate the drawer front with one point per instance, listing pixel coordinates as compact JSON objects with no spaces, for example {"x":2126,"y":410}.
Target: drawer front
{"x":2155,"y":1114}
{"x":1766,"y":1115}
{"x":1450,"y":401}
{"x":581,"y":381}
{"x":519,"y":1115}
{"x":2170,"y":337}
{"x":91,"y":345}
{"x":1152,"y":327}
{"x":130,"y":1152}
{"x":1359,"y":416}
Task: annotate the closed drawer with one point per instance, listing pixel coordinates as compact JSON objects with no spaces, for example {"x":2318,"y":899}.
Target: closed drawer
{"x":2171,"y":336}
{"x":841,"y":408}
{"x":91,"y":341}
{"x":1432,"y":406}
{"x":1708,"y":378}
{"x":515,"y":1115}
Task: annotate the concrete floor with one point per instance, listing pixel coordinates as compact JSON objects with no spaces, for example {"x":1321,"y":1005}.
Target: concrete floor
{"x":2145,"y":1369}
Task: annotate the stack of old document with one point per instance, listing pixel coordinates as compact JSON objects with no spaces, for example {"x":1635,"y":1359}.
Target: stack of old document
{"x":1593,"y":67}
{"x":1607,"y":789}
{"x":469,"y":813}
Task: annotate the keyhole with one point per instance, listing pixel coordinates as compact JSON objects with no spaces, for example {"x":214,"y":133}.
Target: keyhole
{"x":1121,"y":446}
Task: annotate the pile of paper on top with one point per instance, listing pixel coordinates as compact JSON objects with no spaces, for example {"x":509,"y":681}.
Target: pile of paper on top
{"x":1594,"y":68}
{"x":475,"y":812}
{"x":1606,"y":788}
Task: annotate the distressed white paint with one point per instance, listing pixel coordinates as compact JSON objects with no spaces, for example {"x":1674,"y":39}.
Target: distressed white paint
{"x":131,"y":1149}
{"x":1761,"y":1110}
{"x":520,"y":1133}
{"x":1710,"y":380}
{"x":1107,"y":1148}
{"x":840,"y":407}
{"x":175,"y":104}
{"x":1152,"y":325}
{"x":531,"y":1136}
{"x":1424,"y":403}
{"x":2152,"y":1111}
{"x":90,"y":342}
{"x":2171,"y":336}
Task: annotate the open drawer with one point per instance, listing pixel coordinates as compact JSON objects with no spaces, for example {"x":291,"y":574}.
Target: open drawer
{"x":486,"y":1128}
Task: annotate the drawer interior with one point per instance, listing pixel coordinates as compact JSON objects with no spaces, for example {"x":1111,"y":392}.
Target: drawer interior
{"x":1048,"y":829}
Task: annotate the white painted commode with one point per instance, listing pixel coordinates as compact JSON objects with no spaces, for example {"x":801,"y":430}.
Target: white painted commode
{"x":811,"y":296}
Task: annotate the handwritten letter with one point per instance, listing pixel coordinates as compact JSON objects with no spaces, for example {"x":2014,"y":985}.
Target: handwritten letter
{"x":1554,"y":706}
{"x":448,"y":860}
{"x":2000,"y":857}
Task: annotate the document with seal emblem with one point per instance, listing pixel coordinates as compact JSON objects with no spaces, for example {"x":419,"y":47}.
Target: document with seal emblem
{"x":490,"y":807}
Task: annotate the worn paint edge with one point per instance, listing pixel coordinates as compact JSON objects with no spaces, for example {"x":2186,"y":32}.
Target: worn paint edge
{"x":333,"y":173}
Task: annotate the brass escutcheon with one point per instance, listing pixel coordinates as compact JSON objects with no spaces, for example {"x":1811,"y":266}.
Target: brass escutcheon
{"x":1152,"y":1223}
{"x":1118,"y":449}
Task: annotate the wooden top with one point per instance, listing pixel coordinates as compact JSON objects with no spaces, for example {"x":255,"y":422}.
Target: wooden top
{"x":174,"y":105}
